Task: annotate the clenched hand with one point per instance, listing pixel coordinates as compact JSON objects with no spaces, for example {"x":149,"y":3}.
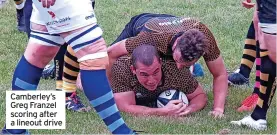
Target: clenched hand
{"x":47,"y":3}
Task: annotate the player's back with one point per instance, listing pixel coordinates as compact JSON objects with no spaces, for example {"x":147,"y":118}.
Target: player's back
{"x":142,"y":19}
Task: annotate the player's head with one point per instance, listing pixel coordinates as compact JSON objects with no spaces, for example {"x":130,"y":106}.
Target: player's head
{"x":188,"y":48}
{"x":146,"y":65}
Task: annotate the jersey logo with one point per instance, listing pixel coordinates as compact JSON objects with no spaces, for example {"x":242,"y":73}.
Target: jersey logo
{"x":174,"y":22}
{"x":167,"y":93}
{"x":52,"y":14}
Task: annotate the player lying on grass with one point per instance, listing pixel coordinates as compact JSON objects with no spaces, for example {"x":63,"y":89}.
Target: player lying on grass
{"x":138,"y":80}
{"x":175,"y":39}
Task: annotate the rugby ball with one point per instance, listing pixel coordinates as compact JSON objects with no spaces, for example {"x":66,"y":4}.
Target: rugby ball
{"x":168,"y":95}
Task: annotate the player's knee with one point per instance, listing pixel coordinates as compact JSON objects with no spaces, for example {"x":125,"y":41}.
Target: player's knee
{"x":39,"y":55}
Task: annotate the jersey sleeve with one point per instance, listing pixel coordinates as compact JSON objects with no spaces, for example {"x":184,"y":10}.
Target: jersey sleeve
{"x":213,"y":51}
{"x":120,"y":79}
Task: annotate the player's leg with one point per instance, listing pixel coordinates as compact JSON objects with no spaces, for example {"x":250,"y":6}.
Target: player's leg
{"x":56,"y":70}
{"x":71,"y":71}
{"x":70,"y":74}
{"x":257,"y":120}
{"x":93,"y":3}
{"x":136,"y":25}
{"x":19,"y":4}
{"x":249,"y":103}
{"x":267,"y":36}
{"x":27,"y":15}
{"x":41,"y":48}
{"x":241,"y":75}
{"x":90,"y":49}
{"x":267,"y":87}
{"x":59,"y":62}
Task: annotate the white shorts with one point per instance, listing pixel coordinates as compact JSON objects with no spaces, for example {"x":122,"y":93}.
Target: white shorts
{"x":64,"y":16}
{"x":268,"y":28}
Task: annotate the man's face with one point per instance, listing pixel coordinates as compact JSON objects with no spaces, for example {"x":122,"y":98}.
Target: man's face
{"x":180,"y":62}
{"x":148,"y":76}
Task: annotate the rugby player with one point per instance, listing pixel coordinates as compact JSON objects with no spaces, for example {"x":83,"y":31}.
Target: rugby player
{"x":138,"y":80}
{"x":53,"y":23}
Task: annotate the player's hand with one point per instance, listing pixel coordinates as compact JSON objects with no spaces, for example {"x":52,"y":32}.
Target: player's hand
{"x":248,"y":4}
{"x":182,"y":109}
{"x":173,"y":107}
{"x":217,"y":113}
{"x":188,"y":110}
{"x":47,"y":3}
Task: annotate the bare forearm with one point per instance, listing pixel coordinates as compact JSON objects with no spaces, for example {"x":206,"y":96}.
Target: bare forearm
{"x":220,"y":86}
{"x":143,"y":110}
{"x":197,"y":103}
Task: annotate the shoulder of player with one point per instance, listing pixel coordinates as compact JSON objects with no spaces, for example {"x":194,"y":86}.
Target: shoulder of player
{"x":204,"y":28}
{"x":122,"y":66}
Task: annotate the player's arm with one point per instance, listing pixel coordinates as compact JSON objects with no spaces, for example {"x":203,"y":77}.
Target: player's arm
{"x":216,"y":66}
{"x":126,"y":102}
{"x":197,"y":101}
{"x":220,"y":84}
{"x":116,"y":50}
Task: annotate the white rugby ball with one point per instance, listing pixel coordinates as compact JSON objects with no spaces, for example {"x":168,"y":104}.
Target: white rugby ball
{"x":168,"y":95}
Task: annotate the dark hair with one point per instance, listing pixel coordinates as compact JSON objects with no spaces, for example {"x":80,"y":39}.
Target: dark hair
{"x":144,"y":54}
{"x":192,"y":45}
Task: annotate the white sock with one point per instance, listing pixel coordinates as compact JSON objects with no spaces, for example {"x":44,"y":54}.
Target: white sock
{"x":20,"y":6}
